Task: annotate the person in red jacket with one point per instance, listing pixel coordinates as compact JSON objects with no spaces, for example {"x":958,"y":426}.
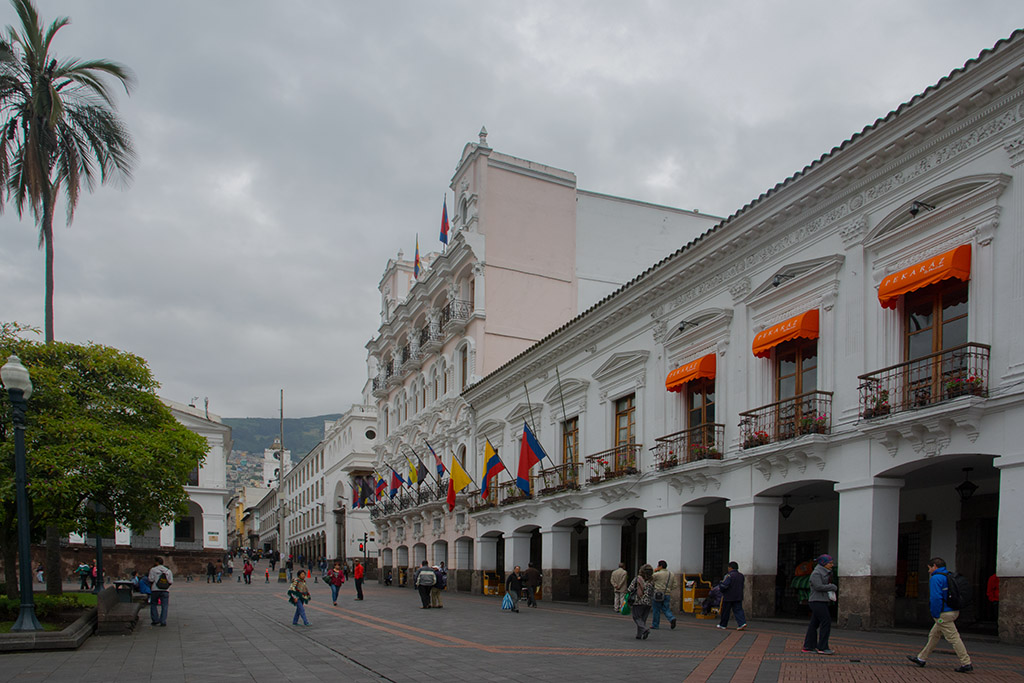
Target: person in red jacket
{"x":357,"y":574}
{"x":247,"y":571}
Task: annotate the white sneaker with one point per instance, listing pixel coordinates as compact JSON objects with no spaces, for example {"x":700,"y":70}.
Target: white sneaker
{"x":721,"y":627}
{"x":740,"y":628}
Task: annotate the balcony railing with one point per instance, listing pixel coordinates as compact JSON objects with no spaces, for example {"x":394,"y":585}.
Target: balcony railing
{"x":703,"y":442}
{"x":455,"y":312}
{"x":941,"y":376}
{"x":559,"y":478}
{"x":809,"y":413}
{"x":476,"y":503}
{"x":616,"y":462}
{"x":405,"y":354}
{"x":430,"y":338}
{"x":509,"y":493}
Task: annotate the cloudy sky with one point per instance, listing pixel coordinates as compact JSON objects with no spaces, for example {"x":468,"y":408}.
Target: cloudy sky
{"x":288,"y":149}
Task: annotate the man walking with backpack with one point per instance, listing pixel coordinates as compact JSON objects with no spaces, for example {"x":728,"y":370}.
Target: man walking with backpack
{"x":160,"y":578}
{"x":424,"y":580}
{"x":945,"y":602}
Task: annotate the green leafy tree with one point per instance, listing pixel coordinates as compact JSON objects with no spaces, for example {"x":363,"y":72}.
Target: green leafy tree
{"x":58,"y":128}
{"x":97,"y":433}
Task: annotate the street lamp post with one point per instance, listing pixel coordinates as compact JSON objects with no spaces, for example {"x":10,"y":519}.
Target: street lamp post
{"x":16,"y":380}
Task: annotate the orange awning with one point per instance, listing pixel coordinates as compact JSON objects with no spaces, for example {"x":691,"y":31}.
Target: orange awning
{"x":804,"y":325}
{"x":701,"y":368}
{"x":955,"y":263}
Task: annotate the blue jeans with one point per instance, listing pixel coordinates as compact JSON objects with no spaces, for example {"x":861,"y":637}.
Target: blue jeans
{"x":659,"y":607}
{"x":732,"y":606}
{"x":820,"y":627}
{"x":334,"y":592}
{"x":164,"y":598}
{"x":300,"y":611}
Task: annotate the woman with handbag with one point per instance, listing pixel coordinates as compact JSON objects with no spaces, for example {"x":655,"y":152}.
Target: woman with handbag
{"x":641,"y":597}
{"x":298,"y":595}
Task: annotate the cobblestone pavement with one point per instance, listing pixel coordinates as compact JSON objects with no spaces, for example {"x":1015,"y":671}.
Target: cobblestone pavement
{"x":231,"y":631}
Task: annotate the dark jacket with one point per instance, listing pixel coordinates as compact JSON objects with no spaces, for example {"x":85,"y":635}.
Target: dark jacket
{"x":732,"y":586}
{"x":514,"y":584}
{"x":532,"y":577}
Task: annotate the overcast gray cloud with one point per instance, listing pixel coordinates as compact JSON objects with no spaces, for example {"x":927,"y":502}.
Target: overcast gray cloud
{"x":288,"y":149}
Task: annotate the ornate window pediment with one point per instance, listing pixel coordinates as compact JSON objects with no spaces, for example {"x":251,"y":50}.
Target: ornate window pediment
{"x":620,"y":365}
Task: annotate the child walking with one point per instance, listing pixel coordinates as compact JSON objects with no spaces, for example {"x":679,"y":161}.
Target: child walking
{"x":298,"y":595}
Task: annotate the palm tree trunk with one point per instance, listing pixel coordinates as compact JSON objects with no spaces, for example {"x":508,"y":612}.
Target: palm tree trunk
{"x":54,"y":577}
{"x":47,"y":234}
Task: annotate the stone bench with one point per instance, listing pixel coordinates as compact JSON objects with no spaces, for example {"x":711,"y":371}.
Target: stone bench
{"x":113,"y":616}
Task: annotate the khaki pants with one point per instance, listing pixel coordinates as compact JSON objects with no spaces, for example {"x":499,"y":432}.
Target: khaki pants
{"x":945,"y":627}
{"x":620,"y":597}
{"x":435,"y":597}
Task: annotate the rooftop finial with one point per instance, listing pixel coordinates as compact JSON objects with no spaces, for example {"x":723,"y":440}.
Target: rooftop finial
{"x":483,"y":136}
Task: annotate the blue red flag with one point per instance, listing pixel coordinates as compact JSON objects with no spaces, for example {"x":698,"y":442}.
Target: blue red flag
{"x":530,"y":453}
{"x":440,"y":463}
{"x":444,"y":222}
{"x":492,"y":466}
{"x":396,"y":483}
{"x":381,"y":485}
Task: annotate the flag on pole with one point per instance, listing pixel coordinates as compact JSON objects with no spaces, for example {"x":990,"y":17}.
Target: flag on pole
{"x":355,"y":496}
{"x":530,"y":453}
{"x":421,"y":469}
{"x":492,"y":465}
{"x":416,"y":263}
{"x":440,"y":463}
{"x":381,"y":486}
{"x":365,"y":492}
{"x":396,"y":483}
{"x":444,"y":222}
{"x":458,"y":481}
{"x":411,"y":479}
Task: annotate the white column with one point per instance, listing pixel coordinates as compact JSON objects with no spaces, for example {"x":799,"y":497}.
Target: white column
{"x":691,"y":542}
{"x":485,"y":553}
{"x":463,"y":554}
{"x":604,"y":545}
{"x":167,"y":536}
{"x":1010,"y":534}
{"x":555,"y":549}
{"x":868,"y":527}
{"x":517,"y":550}
{"x":122,"y":536}
{"x":664,"y":538}
{"x":754,"y":535}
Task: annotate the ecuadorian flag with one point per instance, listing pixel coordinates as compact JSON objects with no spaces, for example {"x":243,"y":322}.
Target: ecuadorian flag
{"x":492,"y":465}
{"x":530,"y":453}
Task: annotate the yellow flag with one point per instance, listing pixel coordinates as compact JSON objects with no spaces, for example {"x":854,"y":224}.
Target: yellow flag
{"x":460,"y":479}
{"x":412,"y":472}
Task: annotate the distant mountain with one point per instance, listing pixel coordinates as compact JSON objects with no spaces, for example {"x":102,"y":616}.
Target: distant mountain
{"x":301,"y":434}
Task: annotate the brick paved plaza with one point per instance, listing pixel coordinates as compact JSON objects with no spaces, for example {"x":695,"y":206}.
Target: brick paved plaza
{"x":232,"y":631}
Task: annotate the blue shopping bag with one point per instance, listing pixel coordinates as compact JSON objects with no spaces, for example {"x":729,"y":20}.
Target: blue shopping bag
{"x":508,"y":602}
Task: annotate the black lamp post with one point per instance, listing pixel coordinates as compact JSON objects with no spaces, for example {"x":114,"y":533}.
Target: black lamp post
{"x":19,"y":387}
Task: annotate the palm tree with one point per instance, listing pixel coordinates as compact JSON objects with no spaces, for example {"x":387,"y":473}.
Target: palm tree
{"x":58,"y":127}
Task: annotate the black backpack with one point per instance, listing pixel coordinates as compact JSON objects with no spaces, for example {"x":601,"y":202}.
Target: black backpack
{"x":163,"y":583}
{"x":961,"y":593}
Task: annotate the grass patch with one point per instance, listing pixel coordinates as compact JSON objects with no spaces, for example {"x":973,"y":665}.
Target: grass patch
{"x":5,"y":626}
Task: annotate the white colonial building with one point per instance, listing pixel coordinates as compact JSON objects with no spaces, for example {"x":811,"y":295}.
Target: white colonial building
{"x":528,"y":251}
{"x":837,"y":367}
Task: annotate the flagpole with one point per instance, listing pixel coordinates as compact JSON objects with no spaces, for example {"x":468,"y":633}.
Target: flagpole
{"x":420,"y":461}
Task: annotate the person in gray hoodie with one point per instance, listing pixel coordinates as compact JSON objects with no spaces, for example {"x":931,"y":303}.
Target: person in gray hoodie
{"x":822,"y":593}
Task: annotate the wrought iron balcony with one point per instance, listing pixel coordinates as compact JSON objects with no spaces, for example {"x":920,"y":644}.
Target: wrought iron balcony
{"x":455,"y":314}
{"x":616,"y":462}
{"x":809,"y":413}
{"x":380,"y":387}
{"x":560,"y":478}
{"x":937,"y":377}
{"x":509,"y":493}
{"x":703,"y":442}
{"x":430,"y":338}
{"x":477,"y":503}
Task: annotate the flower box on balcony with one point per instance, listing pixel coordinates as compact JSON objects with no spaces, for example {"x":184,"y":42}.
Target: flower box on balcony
{"x":756,"y":439}
{"x":668,"y":463}
{"x":961,"y":386}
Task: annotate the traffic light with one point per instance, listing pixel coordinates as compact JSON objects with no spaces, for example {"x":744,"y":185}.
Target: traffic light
{"x":360,"y":547}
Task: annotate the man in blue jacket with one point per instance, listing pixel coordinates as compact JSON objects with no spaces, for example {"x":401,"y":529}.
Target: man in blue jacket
{"x":945,"y":618}
{"x":732,"y":598}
